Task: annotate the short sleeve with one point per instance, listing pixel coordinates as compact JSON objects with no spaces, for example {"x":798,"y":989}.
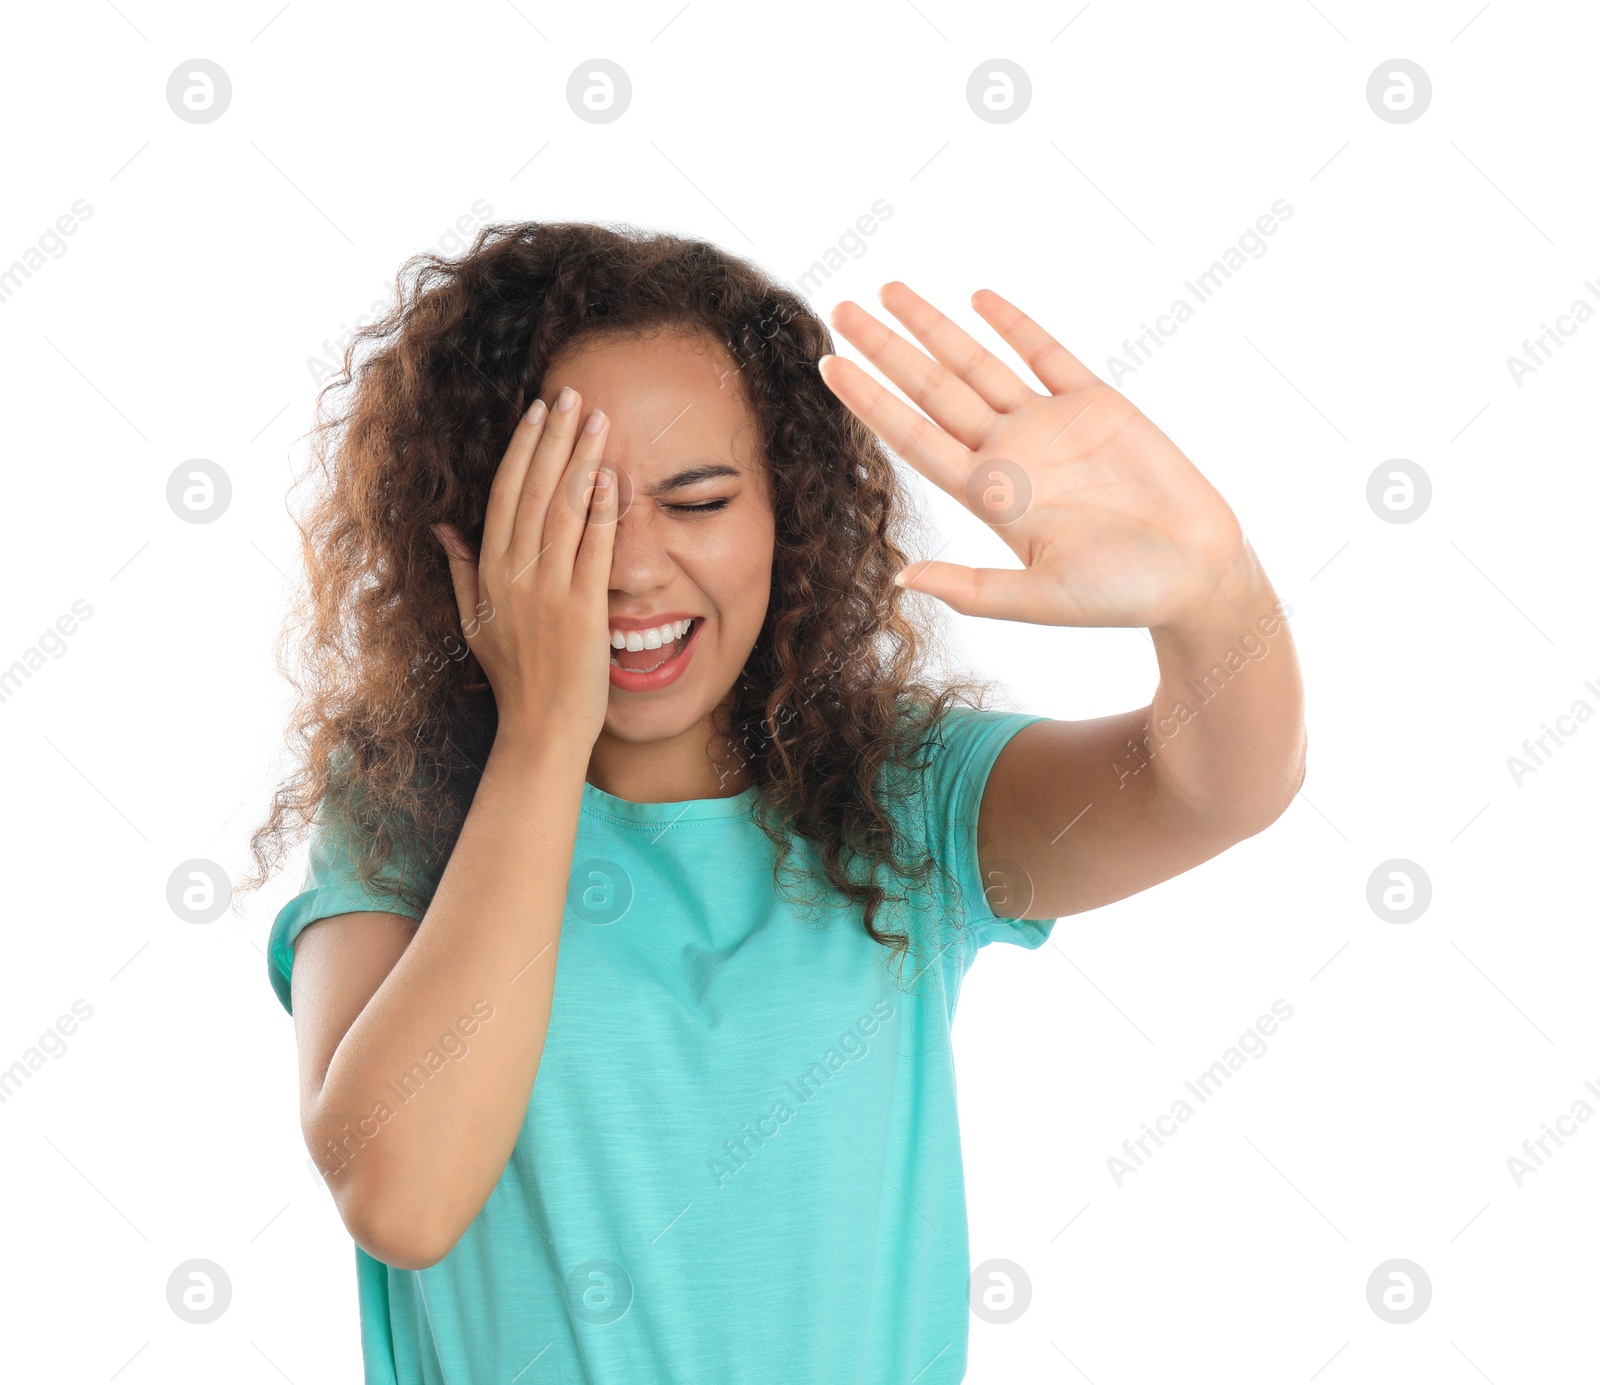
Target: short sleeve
{"x":960,"y":755}
{"x":330,"y":887}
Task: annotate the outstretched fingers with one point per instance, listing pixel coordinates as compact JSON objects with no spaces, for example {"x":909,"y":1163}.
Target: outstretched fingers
{"x":952,"y":402}
{"x":985,"y":374}
{"x":1047,"y":358}
{"x":925,"y":445}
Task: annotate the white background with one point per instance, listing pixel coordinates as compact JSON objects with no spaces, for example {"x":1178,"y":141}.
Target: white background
{"x":220,"y":257}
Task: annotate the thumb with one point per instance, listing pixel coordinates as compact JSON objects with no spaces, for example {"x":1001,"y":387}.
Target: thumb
{"x":973,"y":591}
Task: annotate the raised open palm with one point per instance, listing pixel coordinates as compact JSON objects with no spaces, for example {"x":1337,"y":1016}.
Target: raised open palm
{"x":1113,"y":524}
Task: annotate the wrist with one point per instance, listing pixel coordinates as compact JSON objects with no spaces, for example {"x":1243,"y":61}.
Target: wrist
{"x":539,"y":747}
{"x":1239,"y":590}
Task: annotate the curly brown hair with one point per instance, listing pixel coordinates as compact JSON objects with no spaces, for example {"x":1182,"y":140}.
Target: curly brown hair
{"x":393,"y":719}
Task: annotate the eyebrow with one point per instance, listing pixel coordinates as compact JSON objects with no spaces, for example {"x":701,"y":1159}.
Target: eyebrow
{"x":691,"y":476}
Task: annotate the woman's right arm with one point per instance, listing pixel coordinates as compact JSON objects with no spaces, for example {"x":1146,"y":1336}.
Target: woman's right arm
{"x":411,"y":1151}
{"x":371,"y":1001}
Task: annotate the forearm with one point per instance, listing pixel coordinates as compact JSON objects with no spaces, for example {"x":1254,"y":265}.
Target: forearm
{"x":426,"y":1094}
{"x":1224,"y":737}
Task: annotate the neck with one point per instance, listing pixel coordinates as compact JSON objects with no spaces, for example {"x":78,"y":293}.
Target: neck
{"x":668,"y":770}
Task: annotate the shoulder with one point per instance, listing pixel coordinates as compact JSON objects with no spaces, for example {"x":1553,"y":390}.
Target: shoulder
{"x":957,"y":749}
{"x":941,"y":785}
{"x":972,"y":901}
{"x":335,"y":882}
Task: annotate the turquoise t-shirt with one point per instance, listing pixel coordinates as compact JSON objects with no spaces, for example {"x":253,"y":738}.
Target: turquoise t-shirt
{"x":740,"y":1161}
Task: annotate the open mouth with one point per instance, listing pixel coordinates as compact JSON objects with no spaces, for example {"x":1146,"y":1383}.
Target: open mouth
{"x":654,"y":648}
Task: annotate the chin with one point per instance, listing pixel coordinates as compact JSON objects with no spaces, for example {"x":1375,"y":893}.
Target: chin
{"x":659,"y":716}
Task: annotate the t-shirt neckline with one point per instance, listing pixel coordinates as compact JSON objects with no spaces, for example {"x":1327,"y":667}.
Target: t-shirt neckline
{"x":598,"y":801}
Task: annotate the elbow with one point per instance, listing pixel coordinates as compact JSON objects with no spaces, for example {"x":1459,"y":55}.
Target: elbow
{"x":1293,"y":780}
{"x":394,"y":1233}
{"x":1226,"y":820}
{"x":1276,"y":795}
{"x":389,"y":1215}
{"x":1223,"y":820}
{"x":400,"y":1248}
{"x":1265,"y":797}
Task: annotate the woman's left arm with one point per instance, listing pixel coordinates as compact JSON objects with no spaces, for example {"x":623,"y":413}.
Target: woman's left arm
{"x":1115,"y":527}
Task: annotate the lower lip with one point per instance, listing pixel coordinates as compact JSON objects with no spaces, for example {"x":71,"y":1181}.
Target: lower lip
{"x":630,"y":680}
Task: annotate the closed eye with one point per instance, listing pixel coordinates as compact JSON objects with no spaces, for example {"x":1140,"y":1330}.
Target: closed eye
{"x":704,"y":507}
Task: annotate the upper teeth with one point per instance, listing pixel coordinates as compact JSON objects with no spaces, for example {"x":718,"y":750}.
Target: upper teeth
{"x":650,"y":639}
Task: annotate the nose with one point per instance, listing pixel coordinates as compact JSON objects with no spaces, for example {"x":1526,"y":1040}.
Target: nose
{"x":639,"y":562}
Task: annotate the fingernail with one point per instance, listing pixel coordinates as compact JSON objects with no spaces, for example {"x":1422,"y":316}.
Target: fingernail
{"x":602,"y":482}
{"x":597,"y":421}
{"x":536,"y":412}
{"x":566,"y":399}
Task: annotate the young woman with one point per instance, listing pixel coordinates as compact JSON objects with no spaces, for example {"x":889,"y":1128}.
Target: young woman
{"x":647,"y":862}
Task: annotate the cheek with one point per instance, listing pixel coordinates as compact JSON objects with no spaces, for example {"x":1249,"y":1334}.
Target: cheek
{"x":754,"y":564}
{"x":734,"y":566}
{"x":740,"y":542}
